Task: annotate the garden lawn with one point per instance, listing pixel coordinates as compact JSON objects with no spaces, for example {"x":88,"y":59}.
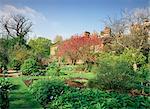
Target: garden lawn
{"x":21,"y":97}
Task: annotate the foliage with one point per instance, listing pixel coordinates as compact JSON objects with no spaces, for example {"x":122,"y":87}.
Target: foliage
{"x":130,"y":31}
{"x":80,"y":47}
{"x":113,"y":73}
{"x":142,"y":79}
{"x":133,"y":56}
{"x":15,"y":64}
{"x":5,"y":87}
{"x":40,"y":47}
{"x":3,"y":51}
{"x":29,"y":67}
{"x":46,"y":91}
{"x":114,"y":76}
{"x":20,"y":53}
{"x":116,"y":72}
{"x":95,"y":99}
{"x":53,"y":69}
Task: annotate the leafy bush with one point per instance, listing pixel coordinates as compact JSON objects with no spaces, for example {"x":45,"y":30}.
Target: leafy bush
{"x":116,"y":72}
{"x":95,"y":99}
{"x":45,"y":91}
{"x":143,"y":79}
{"x":29,"y":67}
{"x":5,"y":87}
{"x":15,"y":64}
{"x":133,"y":57}
{"x":113,"y":75}
{"x":53,"y":69}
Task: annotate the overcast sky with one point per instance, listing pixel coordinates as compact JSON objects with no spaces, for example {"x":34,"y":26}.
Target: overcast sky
{"x":68,"y":17}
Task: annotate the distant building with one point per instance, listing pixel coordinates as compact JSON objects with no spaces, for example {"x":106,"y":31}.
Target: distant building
{"x":86,"y":34}
{"x":53,"y":49}
{"x":106,"y":32}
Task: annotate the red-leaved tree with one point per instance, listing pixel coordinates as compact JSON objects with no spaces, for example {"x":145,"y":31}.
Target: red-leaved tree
{"x":80,"y":48}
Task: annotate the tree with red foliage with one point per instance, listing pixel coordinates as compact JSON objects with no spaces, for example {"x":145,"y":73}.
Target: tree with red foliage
{"x":80,"y":47}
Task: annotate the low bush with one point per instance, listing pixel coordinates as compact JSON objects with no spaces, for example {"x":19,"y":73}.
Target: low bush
{"x":117,"y":76}
{"x":54,"y":69}
{"x":96,"y":99}
{"x":143,"y":79}
{"x":5,"y":88}
{"x":15,"y":64}
{"x":46,"y":91}
{"x":119,"y":72}
{"x":29,"y":67}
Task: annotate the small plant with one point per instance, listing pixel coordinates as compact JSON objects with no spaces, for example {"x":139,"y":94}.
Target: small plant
{"x":142,"y":80}
{"x":29,"y":67}
{"x":54,"y":69}
{"x":5,"y":88}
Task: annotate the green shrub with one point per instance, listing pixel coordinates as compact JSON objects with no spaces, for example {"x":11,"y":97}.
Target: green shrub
{"x":96,"y":99}
{"x":113,"y":75}
{"x":46,"y":91}
{"x":133,"y":56}
{"x":116,"y":72}
{"x":29,"y":67}
{"x":53,"y":69}
{"x":5,"y":88}
{"x":143,"y":79}
{"x":15,"y":64}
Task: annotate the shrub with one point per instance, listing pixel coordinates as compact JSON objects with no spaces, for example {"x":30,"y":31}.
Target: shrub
{"x":133,"y":56}
{"x":113,"y":75}
{"x":143,"y":79}
{"x":15,"y":64}
{"x":29,"y":67}
{"x":46,"y":91}
{"x":116,"y":72}
{"x":53,"y":69}
{"x":96,"y":99}
{"x":5,"y":87}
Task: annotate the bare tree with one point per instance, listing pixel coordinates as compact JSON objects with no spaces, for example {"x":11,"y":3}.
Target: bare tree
{"x":15,"y":25}
{"x":131,"y":31}
{"x":133,"y":27}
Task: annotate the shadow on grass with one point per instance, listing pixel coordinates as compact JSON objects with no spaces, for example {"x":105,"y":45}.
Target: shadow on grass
{"x":22,"y":101}
{"x":20,"y":98}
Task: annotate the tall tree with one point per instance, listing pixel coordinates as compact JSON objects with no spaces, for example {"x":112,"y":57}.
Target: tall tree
{"x":80,"y":47}
{"x":40,"y":46}
{"x":16,"y":26}
{"x":131,"y":30}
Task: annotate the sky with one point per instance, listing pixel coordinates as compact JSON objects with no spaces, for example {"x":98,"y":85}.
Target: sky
{"x":68,"y":17}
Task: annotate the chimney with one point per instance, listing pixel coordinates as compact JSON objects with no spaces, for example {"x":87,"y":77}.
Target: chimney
{"x":86,"y":34}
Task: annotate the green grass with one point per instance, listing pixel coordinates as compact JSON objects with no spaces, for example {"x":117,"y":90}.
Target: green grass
{"x":21,"y":97}
{"x":81,"y":75}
